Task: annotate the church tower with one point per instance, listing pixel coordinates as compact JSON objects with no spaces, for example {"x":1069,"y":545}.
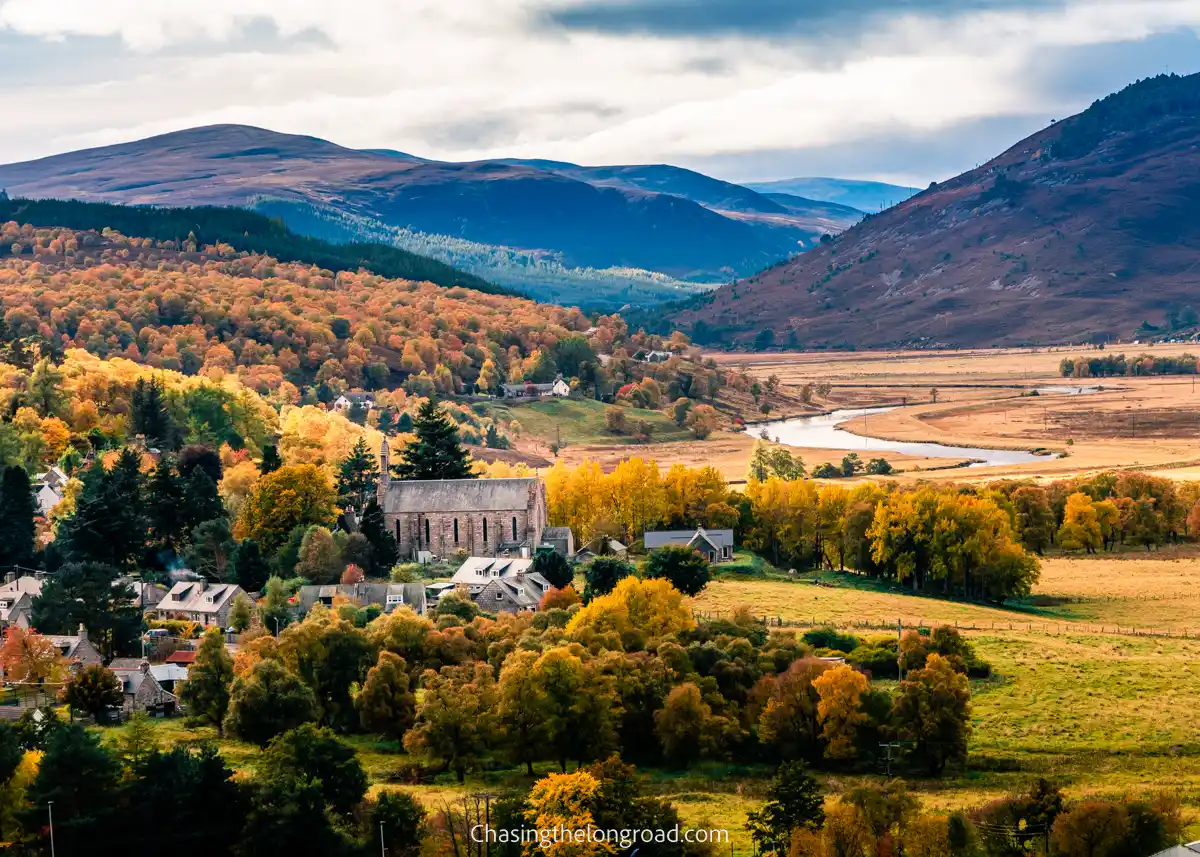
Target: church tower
{"x":385,"y":474}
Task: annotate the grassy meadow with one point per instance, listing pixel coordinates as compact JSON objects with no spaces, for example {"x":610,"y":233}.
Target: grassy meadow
{"x":581,"y":421}
{"x":1104,"y":714}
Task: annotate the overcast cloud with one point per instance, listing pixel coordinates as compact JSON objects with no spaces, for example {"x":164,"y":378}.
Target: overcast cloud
{"x":901,"y":90}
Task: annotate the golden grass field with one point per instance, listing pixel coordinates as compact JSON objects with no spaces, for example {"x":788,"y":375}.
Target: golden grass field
{"x":1143,"y":423}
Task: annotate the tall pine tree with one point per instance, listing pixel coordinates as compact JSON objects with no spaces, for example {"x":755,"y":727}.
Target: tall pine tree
{"x":164,"y":507}
{"x":17,"y":511}
{"x":270,"y":459}
{"x":149,"y":416}
{"x":108,"y":525}
{"x":436,"y":452}
{"x":201,"y":500}
{"x":250,"y":569}
{"x":383,"y":544}
{"x":358,"y":476}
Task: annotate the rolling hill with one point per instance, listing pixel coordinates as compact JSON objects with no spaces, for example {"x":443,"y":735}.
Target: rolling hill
{"x":1088,"y":230}
{"x":864,"y":196}
{"x":605,"y":229}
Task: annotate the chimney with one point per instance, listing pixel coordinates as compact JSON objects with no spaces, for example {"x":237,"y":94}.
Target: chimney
{"x":10,"y":577}
{"x":385,"y":476}
{"x":82,"y":635}
{"x":144,"y":666}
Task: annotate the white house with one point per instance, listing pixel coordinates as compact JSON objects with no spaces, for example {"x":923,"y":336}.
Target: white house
{"x":346,"y":401}
{"x":560,"y":389}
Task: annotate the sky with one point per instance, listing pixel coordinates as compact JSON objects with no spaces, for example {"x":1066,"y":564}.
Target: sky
{"x":908,"y":91}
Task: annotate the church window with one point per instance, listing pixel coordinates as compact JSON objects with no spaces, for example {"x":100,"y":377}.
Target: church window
{"x":456,"y":530}
{"x":514,"y":522}
{"x":485,"y":531}
{"x":427,"y":541}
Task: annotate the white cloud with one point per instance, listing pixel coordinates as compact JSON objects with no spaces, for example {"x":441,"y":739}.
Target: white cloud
{"x":412,"y":75}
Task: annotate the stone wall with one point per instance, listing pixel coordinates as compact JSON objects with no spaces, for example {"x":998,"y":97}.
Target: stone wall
{"x":410,"y":530}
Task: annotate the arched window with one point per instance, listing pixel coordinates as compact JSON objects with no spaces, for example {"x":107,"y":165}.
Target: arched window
{"x":427,"y":542}
{"x":485,"y":532}
{"x":514,"y":528}
{"x":456,"y":530}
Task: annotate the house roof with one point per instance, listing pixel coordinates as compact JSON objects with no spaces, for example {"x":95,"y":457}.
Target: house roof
{"x":480,"y":570}
{"x":357,"y":397}
{"x":459,"y":495}
{"x":12,"y":604}
{"x":526,"y":589}
{"x":28,"y":584}
{"x":1189,"y":850}
{"x":183,"y":656}
{"x":198,"y":597}
{"x":383,"y":594}
{"x":717,"y":538}
{"x":555,"y":533}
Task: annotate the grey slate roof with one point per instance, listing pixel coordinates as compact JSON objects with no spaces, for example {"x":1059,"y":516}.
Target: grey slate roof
{"x":718,"y":538}
{"x":552,"y":533}
{"x":478,"y":571}
{"x":198,"y":597}
{"x":1190,"y":850}
{"x":459,"y":495}
{"x":386,"y":595}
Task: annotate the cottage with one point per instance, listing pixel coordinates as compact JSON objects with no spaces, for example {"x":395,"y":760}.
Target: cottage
{"x":560,"y":389}
{"x":199,"y":601}
{"x":484,"y":517}
{"x":560,"y":539}
{"x":715,"y":545}
{"x":601,"y":546}
{"x":148,"y":688}
{"x":387,"y":596}
{"x":346,"y":401}
{"x":16,"y":599}
{"x":650,"y":356}
{"x":1192,"y":849}
{"x":501,"y":585}
{"x":78,"y":651}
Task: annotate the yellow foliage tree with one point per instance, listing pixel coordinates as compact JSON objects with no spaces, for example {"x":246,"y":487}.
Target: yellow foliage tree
{"x":653,"y":607}
{"x":295,"y":496}
{"x":565,"y":802}
{"x":839,"y":711}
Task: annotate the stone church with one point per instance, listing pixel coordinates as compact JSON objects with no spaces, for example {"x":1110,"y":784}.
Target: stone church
{"x":484,"y":517}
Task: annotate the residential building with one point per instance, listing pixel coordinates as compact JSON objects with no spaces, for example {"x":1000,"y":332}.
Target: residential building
{"x":16,"y":599}
{"x":387,"y":596}
{"x":148,"y":688}
{"x":78,"y":651}
{"x":484,"y":517}
{"x":562,"y":539}
{"x":199,"y":601}
{"x":716,"y":545}
{"x":346,"y":401}
{"x":601,"y":546}
{"x":1192,"y":849}
{"x":501,"y":585}
{"x":560,"y":389}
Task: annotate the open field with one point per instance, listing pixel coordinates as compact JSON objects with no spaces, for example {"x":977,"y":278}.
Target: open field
{"x":1129,"y":591}
{"x":1104,"y":715}
{"x":1148,"y":423}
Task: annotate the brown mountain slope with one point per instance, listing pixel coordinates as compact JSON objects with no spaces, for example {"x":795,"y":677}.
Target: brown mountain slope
{"x":1082,"y":231}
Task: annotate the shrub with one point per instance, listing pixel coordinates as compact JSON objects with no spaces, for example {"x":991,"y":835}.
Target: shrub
{"x":831,"y":638}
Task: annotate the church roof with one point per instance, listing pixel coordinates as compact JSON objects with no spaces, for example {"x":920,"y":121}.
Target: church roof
{"x":459,"y":495}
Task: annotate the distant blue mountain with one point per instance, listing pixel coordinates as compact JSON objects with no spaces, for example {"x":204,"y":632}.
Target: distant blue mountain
{"x":865,"y":196}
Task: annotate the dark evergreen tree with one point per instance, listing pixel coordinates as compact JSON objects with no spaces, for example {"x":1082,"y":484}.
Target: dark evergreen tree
{"x":794,"y":802}
{"x":383,"y":543}
{"x":250,"y":569}
{"x":185,"y":803}
{"x":149,"y":416}
{"x":492,"y":440}
{"x":683,"y":567}
{"x":603,"y":574}
{"x":108,"y":526}
{"x":554,"y":567}
{"x":386,"y":421}
{"x":358,"y":476}
{"x":86,"y":594}
{"x":81,"y":778}
{"x":201,"y":501}
{"x":404,"y":424}
{"x":17,"y":511}
{"x":270,"y":459}
{"x":436,"y":452}
{"x":164,"y":507}
{"x":200,"y":455}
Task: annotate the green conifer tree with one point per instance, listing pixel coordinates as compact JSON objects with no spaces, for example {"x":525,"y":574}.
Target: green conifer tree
{"x":436,"y":452}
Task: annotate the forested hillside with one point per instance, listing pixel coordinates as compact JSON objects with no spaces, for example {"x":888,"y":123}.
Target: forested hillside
{"x":296,"y":330}
{"x":240,"y":229}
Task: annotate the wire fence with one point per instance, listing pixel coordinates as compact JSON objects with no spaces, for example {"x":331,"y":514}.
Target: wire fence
{"x":914,"y":623}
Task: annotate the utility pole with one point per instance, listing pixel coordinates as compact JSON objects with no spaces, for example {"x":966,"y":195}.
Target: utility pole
{"x":382,"y":847}
{"x":50,"y":812}
{"x":899,"y":653}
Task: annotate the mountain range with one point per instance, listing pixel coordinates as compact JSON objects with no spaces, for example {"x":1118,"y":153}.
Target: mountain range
{"x":1087,"y":230}
{"x":864,"y":196}
{"x":598,"y":236}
